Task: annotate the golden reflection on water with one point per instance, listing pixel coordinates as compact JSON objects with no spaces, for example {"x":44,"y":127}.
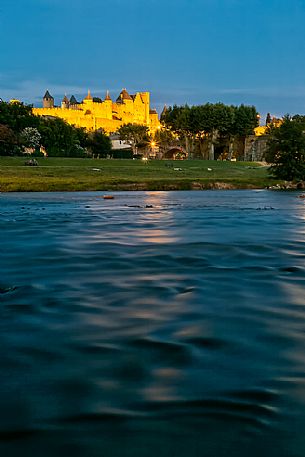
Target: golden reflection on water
{"x":163,"y":385}
{"x":294,"y":293}
{"x":158,"y":215}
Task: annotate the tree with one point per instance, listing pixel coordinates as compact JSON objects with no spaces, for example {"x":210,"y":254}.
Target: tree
{"x":246,"y":119}
{"x":17,"y":116}
{"x":268,"y":119}
{"x":210,"y":122}
{"x":59,"y":138}
{"x":178,"y":120}
{"x":99,"y":143}
{"x":30,"y":137}
{"x":82,"y":136}
{"x":8,"y":141}
{"x":135,"y":134}
{"x":164,"y":138}
{"x":286,"y":149}
{"x":200,"y":124}
{"x":20,"y":125}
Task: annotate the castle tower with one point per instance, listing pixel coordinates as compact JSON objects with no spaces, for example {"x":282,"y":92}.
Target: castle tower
{"x":65,"y":103}
{"x":125,"y":107}
{"x":88,"y":99}
{"x":73,"y":102}
{"x":124,"y":96}
{"x":108,"y":105}
{"x":146,"y":100}
{"x":48,"y":100}
{"x":107,"y":96}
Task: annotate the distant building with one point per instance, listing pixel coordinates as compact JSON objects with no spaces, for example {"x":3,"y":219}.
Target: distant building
{"x":48,"y":100}
{"x":117,"y":143}
{"x":94,"y":113}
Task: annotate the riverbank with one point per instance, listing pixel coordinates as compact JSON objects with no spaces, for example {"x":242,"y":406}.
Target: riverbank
{"x":68,"y":174}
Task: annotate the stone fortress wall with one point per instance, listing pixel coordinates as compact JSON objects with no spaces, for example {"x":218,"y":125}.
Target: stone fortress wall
{"x":93,"y":113}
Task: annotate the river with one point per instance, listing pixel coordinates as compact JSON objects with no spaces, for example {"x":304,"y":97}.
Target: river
{"x":156,"y":323}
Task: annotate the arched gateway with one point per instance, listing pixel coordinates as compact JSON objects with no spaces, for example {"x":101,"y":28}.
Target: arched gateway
{"x":174,"y":153}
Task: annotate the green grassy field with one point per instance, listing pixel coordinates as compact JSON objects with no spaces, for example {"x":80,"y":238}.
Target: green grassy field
{"x":65,"y":174}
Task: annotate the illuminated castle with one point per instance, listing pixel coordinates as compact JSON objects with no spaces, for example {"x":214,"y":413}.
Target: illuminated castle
{"x":93,"y":113}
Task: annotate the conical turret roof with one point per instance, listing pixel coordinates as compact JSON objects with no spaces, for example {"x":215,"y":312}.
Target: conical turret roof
{"x":48,"y":96}
{"x":73,"y":100}
{"x":124,"y":95}
{"x":65,"y":99}
{"x":107,"y":96}
{"x":88,"y":96}
{"x":164,"y":111}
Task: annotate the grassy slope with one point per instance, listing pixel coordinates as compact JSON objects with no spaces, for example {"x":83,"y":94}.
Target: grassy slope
{"x":78,"y":174}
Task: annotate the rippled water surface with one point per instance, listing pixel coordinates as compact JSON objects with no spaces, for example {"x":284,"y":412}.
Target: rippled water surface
{"x":156,"y":323}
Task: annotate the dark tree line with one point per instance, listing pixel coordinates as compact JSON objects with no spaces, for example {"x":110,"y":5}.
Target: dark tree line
{"x":20,"y":128}
{"x":203,"y":124}
{"x":209,"y":123}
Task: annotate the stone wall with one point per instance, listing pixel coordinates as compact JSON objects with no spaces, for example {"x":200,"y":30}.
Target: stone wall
{"x":107,"y":114}
{"x":255,"y":148}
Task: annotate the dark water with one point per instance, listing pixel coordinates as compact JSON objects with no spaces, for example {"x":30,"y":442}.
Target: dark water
{"x":157,"y":323}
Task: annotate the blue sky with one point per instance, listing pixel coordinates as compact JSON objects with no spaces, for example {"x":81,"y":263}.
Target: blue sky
{"x":182,"y":51}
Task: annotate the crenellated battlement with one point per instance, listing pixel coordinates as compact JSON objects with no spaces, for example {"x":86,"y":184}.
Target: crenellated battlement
{"x":93,"y":113}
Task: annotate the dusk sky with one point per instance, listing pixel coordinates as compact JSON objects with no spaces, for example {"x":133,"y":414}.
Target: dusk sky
{"x":182,"y":51}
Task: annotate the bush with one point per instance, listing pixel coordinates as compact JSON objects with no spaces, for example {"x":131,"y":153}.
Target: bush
{"x":121,"y":154}
{"x":286,"y":149}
